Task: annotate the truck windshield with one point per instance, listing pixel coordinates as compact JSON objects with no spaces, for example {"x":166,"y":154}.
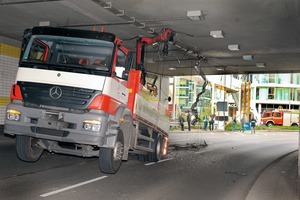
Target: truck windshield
{"x":266,"y":114}
{"x":79,"y":55}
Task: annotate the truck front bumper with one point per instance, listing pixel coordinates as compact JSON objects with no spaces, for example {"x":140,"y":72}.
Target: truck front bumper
{"x":59,"y":126}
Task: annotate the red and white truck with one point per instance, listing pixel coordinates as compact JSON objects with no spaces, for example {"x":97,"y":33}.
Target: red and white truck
{"x":76,"y":92}
{"x":280,"y":117}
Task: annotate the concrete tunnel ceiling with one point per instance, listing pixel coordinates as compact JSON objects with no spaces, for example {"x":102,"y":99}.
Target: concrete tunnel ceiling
{"x":263,"y":35}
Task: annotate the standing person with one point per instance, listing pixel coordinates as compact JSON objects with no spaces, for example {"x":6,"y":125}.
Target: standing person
{"x":188,"y":118}
{"x":234,"y":124}
{"x":253,"y":124}
{"x":205,"y":119}
{"x":181,"y":121}
{"x":211,"y":122}
{"x":243,"y":124}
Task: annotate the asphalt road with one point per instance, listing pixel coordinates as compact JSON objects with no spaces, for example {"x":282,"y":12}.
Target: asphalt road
{"x":225,"y":169}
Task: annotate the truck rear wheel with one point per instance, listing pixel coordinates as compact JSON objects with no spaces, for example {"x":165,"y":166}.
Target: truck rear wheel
{"x":110,"y":160}
{"x":28,"y":149}
{"x":157,"y":154}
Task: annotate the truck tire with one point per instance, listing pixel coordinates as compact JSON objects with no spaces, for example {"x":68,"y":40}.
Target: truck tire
{"x":269,"y":124}
{"x":157,"y":154}
{"x":28,"y":149}
{"x":110,"y":160}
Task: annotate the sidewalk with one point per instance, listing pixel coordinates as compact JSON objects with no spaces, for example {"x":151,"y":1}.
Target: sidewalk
{"x":278,"y":181}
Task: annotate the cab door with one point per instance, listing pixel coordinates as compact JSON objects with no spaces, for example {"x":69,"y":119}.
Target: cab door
{"x":277,"y":118}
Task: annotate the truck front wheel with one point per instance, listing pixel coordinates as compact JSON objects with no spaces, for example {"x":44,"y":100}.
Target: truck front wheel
{"x":110,"y":159}
{"x":28,"y":148}
{"x":269,"y":124}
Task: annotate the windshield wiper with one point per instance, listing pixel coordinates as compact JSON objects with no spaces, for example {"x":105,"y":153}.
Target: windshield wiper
{"x":87,"y":68}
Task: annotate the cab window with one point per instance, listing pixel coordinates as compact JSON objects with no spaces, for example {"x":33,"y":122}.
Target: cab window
{"x":276,"y":114}
{"x":37,"y":51}
{"x":120,"y":67}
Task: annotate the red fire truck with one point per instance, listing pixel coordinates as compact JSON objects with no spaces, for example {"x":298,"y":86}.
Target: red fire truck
{"x":280,"y":117}
{"x":76,"y":92}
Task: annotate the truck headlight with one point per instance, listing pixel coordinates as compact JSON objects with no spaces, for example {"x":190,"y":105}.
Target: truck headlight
{"x":91,"y":125}
{"x":13,"y":115}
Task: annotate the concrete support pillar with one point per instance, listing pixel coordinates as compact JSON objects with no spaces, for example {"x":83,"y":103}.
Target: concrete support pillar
{"x":259,"y":112}
{"x":173,"y":99}
{"x":212,"y":97}
{"x":298,"y":181}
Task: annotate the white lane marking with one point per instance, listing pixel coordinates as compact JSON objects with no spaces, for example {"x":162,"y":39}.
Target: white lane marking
{"x":241,"y":134}
{"x":203,"y":151}
{"x":226,"y":133}
{"x":72,"y":186}
{"x":152,"y":163}
{"x":211,"y":133}
{"x":165,"y":160}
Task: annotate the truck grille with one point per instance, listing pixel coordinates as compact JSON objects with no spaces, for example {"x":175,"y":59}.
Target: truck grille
{"x":41,"y":95}
{"x":48,"y":131}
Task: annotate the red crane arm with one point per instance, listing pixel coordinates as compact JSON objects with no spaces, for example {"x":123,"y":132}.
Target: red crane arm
{"x":165,"y":36}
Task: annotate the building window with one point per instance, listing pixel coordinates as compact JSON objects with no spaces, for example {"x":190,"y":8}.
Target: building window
{"x":284,"y":78}
{"x":257,"y":94}
{"x":263,"y":93}
{"x":182,"y":101}
{"x":271,"y":94}
{"x":182,"y":92}
{"x":296,"y":78}
{"x":293,"y":94}
{"x":271,"y":78}
{"x":282,"y":94}
{"x":264,"y":78}
{"x":255,"y":78}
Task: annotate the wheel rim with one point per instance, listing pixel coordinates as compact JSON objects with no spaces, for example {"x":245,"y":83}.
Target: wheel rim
{"x":34,"y":144}
{"x":158,"y":148}
{"x":118,"y":151}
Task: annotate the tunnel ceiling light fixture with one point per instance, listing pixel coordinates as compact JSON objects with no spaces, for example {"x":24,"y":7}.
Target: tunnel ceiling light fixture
{"x":195,"y":15}
{"x":216,"y":34}
{"x":234,"y":47}
{"x":248,"y":57}
{"x":220,"y":69}
{"x":172,"y":68}
{"x":260,"y":65}
{"x":150,"y":60}
{"x":44,"y":23}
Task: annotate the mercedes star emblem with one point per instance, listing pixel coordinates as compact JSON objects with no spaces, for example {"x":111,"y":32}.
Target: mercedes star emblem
{"x":55,"y":92}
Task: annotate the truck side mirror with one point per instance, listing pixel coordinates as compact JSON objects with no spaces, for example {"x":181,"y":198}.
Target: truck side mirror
{"x":169,"y":99}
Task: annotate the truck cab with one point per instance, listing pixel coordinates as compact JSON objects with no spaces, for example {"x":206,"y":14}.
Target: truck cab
{"x":280,"y":117}
{"x":76,"y":92}
{"x":270,"y":118}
